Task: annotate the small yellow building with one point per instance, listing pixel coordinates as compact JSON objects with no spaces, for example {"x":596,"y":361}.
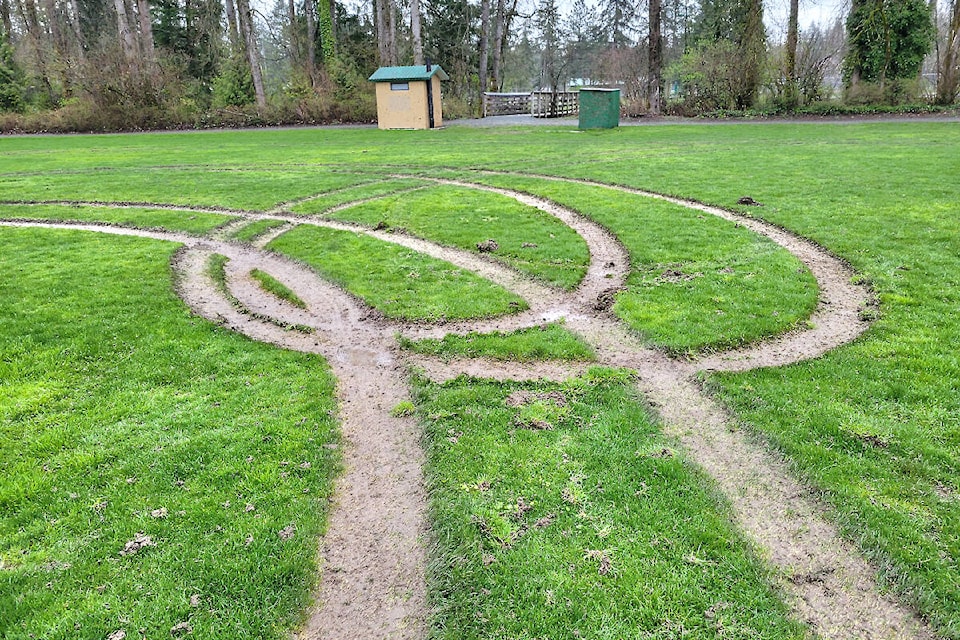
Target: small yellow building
{"x":409,"y":97}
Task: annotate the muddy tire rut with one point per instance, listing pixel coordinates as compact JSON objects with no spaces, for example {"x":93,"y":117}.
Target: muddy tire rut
{"x":374,"y":553}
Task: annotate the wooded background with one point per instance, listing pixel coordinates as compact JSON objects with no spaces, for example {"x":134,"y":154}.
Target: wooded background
{"x":103,"y":64}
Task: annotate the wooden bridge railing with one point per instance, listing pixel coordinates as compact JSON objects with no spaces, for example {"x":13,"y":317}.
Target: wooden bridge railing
{"x":547,"y":104}
{"x":539,"y":104}
{"x":505,"y":104}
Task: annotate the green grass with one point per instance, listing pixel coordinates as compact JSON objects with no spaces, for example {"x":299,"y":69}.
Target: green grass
{"x":546,"y":342}
{"x":697,"y":282}
{"x":277,"y":288}
{"x":246,"y":188}
{"x":122,"y":414}
{"x":531,"y":241}
{"x":255,"y":229}
{"x":376,"y":189}
{"x":189,"y":221}
{"x":398,"y":282}
{"x":881,"y":195}
{"x":596,"y":527}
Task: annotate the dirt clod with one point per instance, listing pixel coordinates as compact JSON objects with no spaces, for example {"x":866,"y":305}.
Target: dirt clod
{"x":140,"y":541}
{"x":606,"y":298}
{"x":604,"y":563}
{"x":487,"y":246}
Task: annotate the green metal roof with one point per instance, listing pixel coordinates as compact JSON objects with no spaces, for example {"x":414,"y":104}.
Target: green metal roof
{"x":404,"y":74}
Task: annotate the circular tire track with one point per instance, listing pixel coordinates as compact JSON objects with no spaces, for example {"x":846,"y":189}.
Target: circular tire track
{"x":373,"y":553}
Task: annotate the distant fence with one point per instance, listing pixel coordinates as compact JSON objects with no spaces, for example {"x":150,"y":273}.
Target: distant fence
{"x":505,"y":104}
{"x":549,"y":104}
{"x":539,"y":104}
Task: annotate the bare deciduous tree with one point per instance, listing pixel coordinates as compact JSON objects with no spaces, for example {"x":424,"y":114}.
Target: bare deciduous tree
{"x":655,"y":60}
{"x":251,"y":50}
{"x":146,"y":36}
{"x":127,"y":37}
{"x":416,"y":32}
{"x":948,"y":80}
{"x":792,"y":92}
{"x":484,"y":74}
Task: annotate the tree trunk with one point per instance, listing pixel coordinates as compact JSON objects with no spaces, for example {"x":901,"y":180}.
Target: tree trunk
{"x":792,"y":92}
{"x":73,"y":8}
{"x":294,"y":35}
{"x":311,"y":57}
{"x":392,"y":32}
{"x":382,"y":20}
{"x":415,"y":31}
{"x":146,"y":36}
{"x":752,"y":49}
{"x":949,"y":80}
{"x":28,"y":15}
{"x":655,"y":60}
{"x":127,"y":39}
{"x":484,"y":45}
{"x":5,"y":21}
{"x":332,"y":7}
{"x":232,"y":25}
{"x":501,"y":33}
{"x":497,"y":56}
{"x":53,"y":26}
{"x":253,"y":53}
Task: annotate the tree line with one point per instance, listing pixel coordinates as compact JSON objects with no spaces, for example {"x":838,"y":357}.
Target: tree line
{"x":87,"y":64}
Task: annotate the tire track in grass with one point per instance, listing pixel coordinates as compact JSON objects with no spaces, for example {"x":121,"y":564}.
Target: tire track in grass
{"x":372,"y":586}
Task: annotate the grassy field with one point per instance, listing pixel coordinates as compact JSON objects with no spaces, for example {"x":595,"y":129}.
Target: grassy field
{"x":528,"y":240}
{"x":399,"y":282}
{"x":122,"y":418}
{"x":872,"y":427}
{"x":561,"y":512}
{"x":136,"y":217}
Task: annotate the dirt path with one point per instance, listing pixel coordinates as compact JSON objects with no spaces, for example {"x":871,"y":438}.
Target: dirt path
{"x":373,"y":554}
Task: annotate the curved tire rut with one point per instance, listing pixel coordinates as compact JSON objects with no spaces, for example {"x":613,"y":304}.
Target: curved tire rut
{"x":373,"y":553}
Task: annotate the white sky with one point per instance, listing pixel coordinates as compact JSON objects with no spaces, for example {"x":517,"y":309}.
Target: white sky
{"x":822,"y":12}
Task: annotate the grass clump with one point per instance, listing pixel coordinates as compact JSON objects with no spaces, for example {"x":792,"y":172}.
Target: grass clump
{"x":271,"y":285}
{"x":403,"y":409}
{"x":148,"y":456}
{"x":560,"y":510}
{"x":140,"y":218}
{"x":394,"y":280}
{"x":546,"y":342}
{"x":529,"y":240}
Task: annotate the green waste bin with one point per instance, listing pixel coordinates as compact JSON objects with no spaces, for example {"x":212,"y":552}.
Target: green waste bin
{"x":599,"y":108}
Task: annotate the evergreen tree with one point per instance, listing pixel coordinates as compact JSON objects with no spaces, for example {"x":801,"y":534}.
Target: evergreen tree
{"x":739,"y":23}
{"x":888,"y":40}
{"x":12,"y":79}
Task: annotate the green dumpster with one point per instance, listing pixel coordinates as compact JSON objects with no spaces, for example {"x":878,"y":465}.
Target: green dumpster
{"x":599,"y":108}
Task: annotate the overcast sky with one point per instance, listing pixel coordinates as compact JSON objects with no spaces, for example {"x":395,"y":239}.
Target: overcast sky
{"x":821,"y":12}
